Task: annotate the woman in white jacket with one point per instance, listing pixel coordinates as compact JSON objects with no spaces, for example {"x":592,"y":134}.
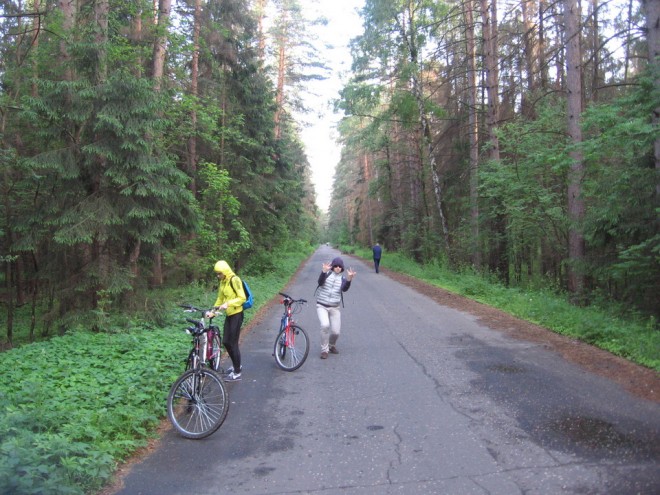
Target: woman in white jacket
{"x":331,"y":284}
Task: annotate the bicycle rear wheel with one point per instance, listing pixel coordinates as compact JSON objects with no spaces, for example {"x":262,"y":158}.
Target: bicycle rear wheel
{"x":291,"y":349}
{"x":216,"y":353}
{"x":190,"y":361}
{"x":198,"y":402}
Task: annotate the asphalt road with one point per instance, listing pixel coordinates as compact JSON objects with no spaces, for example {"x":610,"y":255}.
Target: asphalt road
{"x":422,"y":399}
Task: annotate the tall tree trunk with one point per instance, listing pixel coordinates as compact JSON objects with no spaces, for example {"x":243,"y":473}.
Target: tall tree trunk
{"x":473,"y":132}
{"x":101,"y":13}
{"x":629,"y":36}
{"x":543,"y":65}
{"x":560,"y":62}
{"x":99,"y":248}
{"x":36,"y":30}
{"x":531,"y":49}
{"x":499,"y":258}
{"x":223,"y":120}
{"x":279,"y":92}
{"x":652,"y":11}
{"x":137,"y":35}
{"x":160,"y":44}
{"x":489,"y":19}
{"x":8,"y":263}
{"x":261,"y":14}
{"x":158,"y":68}
{"x":595,"y":46}
{"x":68,"y":10}
{"x":576,"y":171}
{"x":282,"y":43}
{"x":194,"y":75}
{"x":367,"y":178}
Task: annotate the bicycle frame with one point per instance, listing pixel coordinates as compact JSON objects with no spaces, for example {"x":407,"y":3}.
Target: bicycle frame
{"x":202,"y":343}
{"x":287,"y":321}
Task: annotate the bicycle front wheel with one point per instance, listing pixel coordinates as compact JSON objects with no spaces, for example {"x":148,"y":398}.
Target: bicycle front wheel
{"x":291,"y":348}
{"x":198,"y":402}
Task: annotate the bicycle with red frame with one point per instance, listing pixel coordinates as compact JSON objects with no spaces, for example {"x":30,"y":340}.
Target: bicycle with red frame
{"x":292,"y":343}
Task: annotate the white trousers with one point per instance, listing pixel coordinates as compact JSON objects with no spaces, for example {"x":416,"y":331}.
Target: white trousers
{"x":330,"y":319}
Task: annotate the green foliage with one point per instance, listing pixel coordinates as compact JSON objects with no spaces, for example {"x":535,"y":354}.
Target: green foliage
{"x":621,"y":223}
{"x":222,"y":235}
{"x":73,"y":406}
{"x":117,"y":192}
{"x":527,"y":186}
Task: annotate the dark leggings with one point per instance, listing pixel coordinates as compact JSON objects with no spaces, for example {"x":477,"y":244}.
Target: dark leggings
{"x":230,"y":334}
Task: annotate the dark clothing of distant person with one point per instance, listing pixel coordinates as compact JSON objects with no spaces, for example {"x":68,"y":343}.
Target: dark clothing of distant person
{"x":378,"y":251}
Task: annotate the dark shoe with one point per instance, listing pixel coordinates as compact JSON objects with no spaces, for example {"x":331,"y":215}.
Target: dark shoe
{"x":333,"y":350}
{"x":324,"y":355}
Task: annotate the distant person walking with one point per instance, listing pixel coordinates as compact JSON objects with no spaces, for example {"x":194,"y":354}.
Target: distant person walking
{"x":331,"y":285}
{"x":378,"y":252}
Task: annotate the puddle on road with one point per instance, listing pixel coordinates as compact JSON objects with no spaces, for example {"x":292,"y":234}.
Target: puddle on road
{"x":594,"y":434}
{"x":505,"y":368}
{"x":590,"y":432}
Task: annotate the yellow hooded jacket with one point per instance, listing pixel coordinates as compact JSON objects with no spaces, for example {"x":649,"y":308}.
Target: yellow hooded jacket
{"x":230,"y":290}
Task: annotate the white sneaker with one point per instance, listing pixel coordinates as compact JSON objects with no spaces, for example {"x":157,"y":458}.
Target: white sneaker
{"x":231,"y":370}
{"x":233,"y":377}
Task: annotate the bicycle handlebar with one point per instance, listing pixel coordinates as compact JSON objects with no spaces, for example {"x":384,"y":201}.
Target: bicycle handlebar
{"x":189,"y":308}
{"x":199,"y":325}
{"x":287,"y":297}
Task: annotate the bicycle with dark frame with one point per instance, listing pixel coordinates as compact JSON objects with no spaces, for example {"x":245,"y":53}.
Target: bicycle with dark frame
{"x":198,"y":401}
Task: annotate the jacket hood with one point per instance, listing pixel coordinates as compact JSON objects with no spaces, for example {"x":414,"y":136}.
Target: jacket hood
{"x":224,"y":268}
{"x":338,"y":262}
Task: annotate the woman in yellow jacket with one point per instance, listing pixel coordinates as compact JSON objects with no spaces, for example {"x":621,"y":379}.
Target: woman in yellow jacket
{"x":231,"y":297}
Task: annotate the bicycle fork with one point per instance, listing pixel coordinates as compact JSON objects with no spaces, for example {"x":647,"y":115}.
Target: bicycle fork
{"x":283,"y":340}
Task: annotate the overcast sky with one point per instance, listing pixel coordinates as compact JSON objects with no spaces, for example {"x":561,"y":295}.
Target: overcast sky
{"x":320,"y":139}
